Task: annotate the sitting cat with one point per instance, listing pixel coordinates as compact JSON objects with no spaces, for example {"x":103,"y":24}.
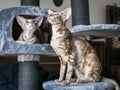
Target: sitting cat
{"x":74,"y":53}
{"x":29,"y":27}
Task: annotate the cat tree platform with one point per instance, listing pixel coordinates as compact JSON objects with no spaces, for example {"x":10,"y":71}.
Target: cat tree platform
{"x":99,"y":30}
{"x":51,"y":85}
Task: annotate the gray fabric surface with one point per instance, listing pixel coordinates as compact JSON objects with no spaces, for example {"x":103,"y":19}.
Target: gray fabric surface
{"x":98,"y":27}
{"x":101,"y":30}
{"x":51,"y":85}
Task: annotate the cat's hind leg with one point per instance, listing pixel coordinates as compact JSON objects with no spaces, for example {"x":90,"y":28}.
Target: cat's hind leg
{"x":79,"y":74}
{"x":92,"y":77}
{"x":89,"y":75}
{"x":92,"y":69}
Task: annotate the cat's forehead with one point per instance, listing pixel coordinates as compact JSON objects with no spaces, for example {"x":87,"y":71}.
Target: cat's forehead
{"x":55,"y":15}
{"x":30,"y":20}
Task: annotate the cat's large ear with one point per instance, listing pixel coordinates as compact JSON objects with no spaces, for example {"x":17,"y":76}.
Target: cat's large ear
{"x":38,"y":21}
{"x":65,"y":14}
{"x":50,"y":12}
{"x":21,"y":20}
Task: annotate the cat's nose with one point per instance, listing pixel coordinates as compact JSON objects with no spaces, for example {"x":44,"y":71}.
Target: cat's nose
{"x":48,"y":17}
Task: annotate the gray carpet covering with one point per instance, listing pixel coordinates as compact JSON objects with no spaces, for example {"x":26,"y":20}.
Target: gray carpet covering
{"x":51,"y":85}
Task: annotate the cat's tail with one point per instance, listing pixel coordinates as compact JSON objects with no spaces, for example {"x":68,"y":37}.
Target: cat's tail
{"x":111,"y":81}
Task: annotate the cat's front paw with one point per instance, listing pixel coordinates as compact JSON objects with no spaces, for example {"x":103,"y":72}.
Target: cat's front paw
{"x":78,"y":81}
{"x":66,"y":82}
{"x":58,"y":80}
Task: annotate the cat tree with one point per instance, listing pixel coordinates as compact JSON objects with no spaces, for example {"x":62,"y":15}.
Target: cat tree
{"x":28,"y":67}
{"x":8,"y":46}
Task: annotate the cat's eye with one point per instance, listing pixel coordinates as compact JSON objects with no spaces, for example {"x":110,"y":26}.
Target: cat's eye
{"x":27,"y":21}
{"x":50,"y":15}
{"x":33,"y":20}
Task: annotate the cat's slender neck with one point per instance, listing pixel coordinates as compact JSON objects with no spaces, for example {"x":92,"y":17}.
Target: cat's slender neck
{"x":28,"y":34}
{"x":56,"y":27}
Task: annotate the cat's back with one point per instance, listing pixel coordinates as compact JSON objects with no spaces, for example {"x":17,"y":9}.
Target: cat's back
{"x":81,"y":43}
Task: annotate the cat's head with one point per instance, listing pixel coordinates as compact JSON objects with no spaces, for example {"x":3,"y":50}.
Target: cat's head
{"x":29,"y":24}
{"x":59,"y":17}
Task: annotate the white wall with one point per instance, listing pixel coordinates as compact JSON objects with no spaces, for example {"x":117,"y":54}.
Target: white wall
{"x":9,"y":3}
{"x":97,"y":8}
{"x":50,"y":4}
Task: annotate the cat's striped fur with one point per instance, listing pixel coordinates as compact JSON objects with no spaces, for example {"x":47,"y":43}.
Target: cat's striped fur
{"x":29,"y":27}
{"x":74,"y":53}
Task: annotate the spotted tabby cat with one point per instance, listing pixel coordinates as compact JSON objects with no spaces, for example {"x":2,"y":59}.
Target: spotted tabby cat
{"x":74,"y":53}
{"x":29,"y":27}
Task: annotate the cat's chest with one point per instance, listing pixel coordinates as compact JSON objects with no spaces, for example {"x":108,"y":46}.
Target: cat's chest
{"x":58,"y":38}
{"x":28,"y":39}
{"x":58,"y":35}
{"x":57,"y":42}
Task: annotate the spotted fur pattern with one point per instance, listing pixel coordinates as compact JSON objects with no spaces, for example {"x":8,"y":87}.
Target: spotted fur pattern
{"x":74,"y":53}
{"x":29,"y":27}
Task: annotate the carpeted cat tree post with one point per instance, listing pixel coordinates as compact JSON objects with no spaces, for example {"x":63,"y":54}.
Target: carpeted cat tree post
{"x":28,"y":72}
{"x":80,"y":12}
{"x":30,"y":2}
